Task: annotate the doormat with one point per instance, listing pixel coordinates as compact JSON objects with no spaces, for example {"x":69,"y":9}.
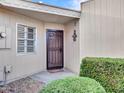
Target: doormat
{"x":56,"y":70}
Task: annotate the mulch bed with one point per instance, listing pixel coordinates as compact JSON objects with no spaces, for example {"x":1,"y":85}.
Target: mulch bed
{"x":26,"y":85}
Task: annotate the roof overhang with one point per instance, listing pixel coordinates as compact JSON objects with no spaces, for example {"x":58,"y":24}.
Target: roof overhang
{"x":41,"y":11}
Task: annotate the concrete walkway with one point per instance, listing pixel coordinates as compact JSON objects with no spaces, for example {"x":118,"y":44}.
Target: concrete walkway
{"x":47,"y":77}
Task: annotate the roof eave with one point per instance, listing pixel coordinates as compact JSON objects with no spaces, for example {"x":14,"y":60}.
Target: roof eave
{"x":43,"y":8}
{"x":53,"y":6}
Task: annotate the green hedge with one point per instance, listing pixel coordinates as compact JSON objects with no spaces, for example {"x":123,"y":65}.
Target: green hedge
{"x":108,"y":71}
{"x":74,"y":85}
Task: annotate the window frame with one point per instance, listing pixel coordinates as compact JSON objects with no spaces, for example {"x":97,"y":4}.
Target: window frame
{"x":25,"y":44}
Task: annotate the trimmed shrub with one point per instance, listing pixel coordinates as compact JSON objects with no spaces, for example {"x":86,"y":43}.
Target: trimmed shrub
{"x":108,"y":71}
{"x":74,"y":85}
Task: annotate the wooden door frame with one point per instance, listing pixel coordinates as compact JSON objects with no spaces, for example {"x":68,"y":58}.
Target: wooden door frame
{"x":59,"y":67}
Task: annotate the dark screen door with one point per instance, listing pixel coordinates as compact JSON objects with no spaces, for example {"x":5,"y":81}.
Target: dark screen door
{"x":54,"y":49}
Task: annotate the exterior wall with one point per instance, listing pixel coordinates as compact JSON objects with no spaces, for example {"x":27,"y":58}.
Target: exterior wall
{"x":72,"y":49}
{"x":102,"y":28}
{"x":24,"y":65}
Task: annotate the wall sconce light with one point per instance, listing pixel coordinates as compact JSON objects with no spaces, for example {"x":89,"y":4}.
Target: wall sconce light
{"x":74,"y":36}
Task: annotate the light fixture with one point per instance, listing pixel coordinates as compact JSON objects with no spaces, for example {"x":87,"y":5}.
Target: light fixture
{"x":74,"y":36}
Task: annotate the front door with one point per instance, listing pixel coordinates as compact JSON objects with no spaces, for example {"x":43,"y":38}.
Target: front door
{"x":54,"y":49}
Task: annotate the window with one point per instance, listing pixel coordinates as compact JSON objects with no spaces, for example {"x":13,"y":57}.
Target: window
{"x":25,"y":39}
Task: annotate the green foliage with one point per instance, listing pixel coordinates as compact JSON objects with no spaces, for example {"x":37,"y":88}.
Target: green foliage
{"x":108,"y":71}
{"x":74,"y":85}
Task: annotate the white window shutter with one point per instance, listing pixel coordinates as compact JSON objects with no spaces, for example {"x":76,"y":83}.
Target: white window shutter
{"x":21,"y":31}
{"x":21,"y":39}
{"x":31,"y":40}
{"x":26,"y":39}
{"x":30,"y":33}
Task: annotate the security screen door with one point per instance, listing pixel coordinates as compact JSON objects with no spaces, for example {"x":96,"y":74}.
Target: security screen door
{"x":54,"y":49}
